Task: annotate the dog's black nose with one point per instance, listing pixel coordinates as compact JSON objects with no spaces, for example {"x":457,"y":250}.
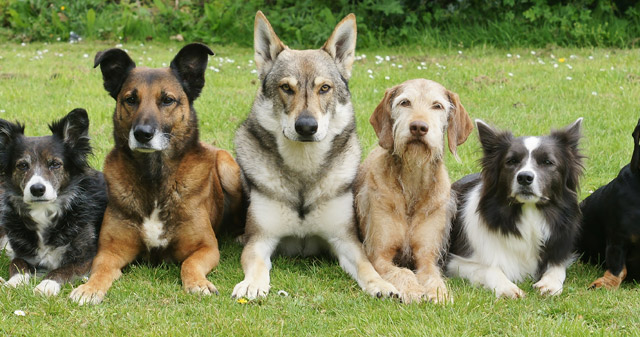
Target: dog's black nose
{"x":38,"y":189}
{"x":306,"y":126}
{"x":418,"y":128}
{"x":144,"y":133}
{"x":525,"y":178}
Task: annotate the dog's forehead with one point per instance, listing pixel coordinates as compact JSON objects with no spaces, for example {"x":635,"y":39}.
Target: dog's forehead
{"x":421,"y":89}
{"x":308,"y":63}
{"x":38,"y":149}
{"x":161,"y":78}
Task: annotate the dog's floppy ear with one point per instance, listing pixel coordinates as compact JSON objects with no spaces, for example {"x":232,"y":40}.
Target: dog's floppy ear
{"x":190,"y":65}
{"x":460,"y":125}
{"x":381,"y":119}
{"x":266,"y":44}
{"x":341,"y":45}
{"x":8,"y":134}
{"x":635,"y":158}
{"x":73,"y":130}
{"x":115,"y":65}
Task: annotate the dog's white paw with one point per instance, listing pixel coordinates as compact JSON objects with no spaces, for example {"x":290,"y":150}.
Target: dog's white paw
{"x":47,"y":288}
{"x":509,"y":290}
{"x":381,"y":288}
{"x":86,"y":294}
{"x":18,"y":280}
{"x":250,"y":290}
{"x":549,"y":286}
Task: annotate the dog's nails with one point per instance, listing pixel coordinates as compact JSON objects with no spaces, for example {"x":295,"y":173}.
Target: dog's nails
{"x":379,"y":294}
{"x":216,"y":292}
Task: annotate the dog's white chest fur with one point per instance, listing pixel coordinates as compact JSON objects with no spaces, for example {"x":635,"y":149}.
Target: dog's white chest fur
{"x":153,"y":230}
{"x":47,"y":256}
{"x":517,"y":257}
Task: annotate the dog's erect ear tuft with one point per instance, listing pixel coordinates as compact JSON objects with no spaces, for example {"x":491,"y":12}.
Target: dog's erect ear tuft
{"x":9,"y":132}
{"x":341,"y":45}
{"x":115,"y":65}
{"x":460,"y":125}
{"x":381,"y":119}
{"x":492,"y":140}
{"x":635,"y":158}
{"x":73,"y":130}
{"x":266,"y":45}
{"x":190,"y":65}
{"x":570,"y":135}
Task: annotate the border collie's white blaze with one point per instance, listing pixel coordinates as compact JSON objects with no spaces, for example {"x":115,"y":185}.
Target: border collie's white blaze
{"x":520,"y":216}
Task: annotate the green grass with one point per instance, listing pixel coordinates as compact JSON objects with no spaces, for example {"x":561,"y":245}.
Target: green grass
{"x":322,"y":299}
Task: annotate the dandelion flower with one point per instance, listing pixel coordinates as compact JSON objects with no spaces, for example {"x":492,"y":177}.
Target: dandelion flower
{"x":242,"y":300}
{"x":561,"y":60}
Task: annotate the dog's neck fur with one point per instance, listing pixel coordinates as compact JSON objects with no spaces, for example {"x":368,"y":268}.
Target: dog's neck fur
{"x":416,"y":170}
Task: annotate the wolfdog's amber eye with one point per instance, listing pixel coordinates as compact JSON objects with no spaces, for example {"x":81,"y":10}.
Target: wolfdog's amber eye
{"x":22,"y":166}
{"x":55,"y":164}
{"x":286,"y":88}
{"x":324,"y":89}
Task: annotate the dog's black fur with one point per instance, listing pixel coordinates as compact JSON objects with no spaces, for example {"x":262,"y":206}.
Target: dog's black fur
{"x":611,"y":220}
{"x":72,"y":218}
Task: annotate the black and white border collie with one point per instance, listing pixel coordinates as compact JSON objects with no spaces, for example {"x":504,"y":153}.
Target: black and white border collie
{"x":519,"y":217}
{"x":52,"y":203}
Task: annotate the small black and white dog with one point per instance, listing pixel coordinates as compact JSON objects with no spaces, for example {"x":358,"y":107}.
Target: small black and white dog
{"x":611,"y":224}
{"x":52,"y":203}
{"x":519,"y":217}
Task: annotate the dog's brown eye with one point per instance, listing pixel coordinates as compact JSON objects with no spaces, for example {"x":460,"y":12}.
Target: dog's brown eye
{"x":324,"y":89}
{"x":22,"y":166}
{"x":286,"y":88}
{"x":547,"y":162}
{"x":405,"y":103}
{"x":438,"y":106}
{"x":131,"y":100}
{"x":55,"y":164}
{"x":512,"y":161}
{"x":168,"y":100}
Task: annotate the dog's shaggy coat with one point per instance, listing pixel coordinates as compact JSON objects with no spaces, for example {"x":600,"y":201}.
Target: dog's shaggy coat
{"x":403,"y":198}
{"x":52,"y":203}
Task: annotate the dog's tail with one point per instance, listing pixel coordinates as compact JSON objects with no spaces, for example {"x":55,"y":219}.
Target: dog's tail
{"x":235,"y":204}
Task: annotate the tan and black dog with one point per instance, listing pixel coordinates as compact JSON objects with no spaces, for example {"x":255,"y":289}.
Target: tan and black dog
{"x":167,"y":191}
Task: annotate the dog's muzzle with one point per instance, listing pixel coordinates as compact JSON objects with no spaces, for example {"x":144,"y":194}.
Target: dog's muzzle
{"x":418,"y":128}
{"x":146,"y":138}
{"x":144,"y":133}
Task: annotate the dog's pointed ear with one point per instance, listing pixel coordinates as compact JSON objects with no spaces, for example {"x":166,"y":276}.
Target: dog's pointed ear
{"x":460,"y":125}
{"x":570,"y":135}
{"x":381,"y":119}
{"x":635,"y":158}
{"x":266,"y":44}
{"x":73,"y":130}
{"x":491,"y":140}
{"x":341,"y":45}
{"x":190,"y":64}
{"x":115,"y":65}
{"x":9,"y":132}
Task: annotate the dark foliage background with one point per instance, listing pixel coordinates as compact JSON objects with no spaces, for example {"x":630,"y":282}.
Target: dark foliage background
{"x":438,"y":23}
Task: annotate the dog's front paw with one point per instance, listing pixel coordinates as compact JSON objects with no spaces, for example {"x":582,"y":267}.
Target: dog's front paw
{"x":202,"y":287}
{"x":413,"y":294}
{"x":509,"y":290}
{"x":548,"y":286}
{"x":47,"y":288}
{"x":18,"y":280}
{"x":87,"y":294}
{"x":381,"y":288}
{"x":250,"y":290}
{"x":437,"y":292}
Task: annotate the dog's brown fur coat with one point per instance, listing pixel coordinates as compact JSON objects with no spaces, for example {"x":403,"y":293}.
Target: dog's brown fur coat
{"x":403,"y":190}
{"x":184,"y":185}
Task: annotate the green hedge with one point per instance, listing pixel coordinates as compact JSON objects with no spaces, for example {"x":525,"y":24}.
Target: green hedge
{"x":439,"y":23}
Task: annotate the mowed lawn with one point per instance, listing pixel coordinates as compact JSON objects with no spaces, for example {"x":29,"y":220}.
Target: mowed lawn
{"x":527,"y":91}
